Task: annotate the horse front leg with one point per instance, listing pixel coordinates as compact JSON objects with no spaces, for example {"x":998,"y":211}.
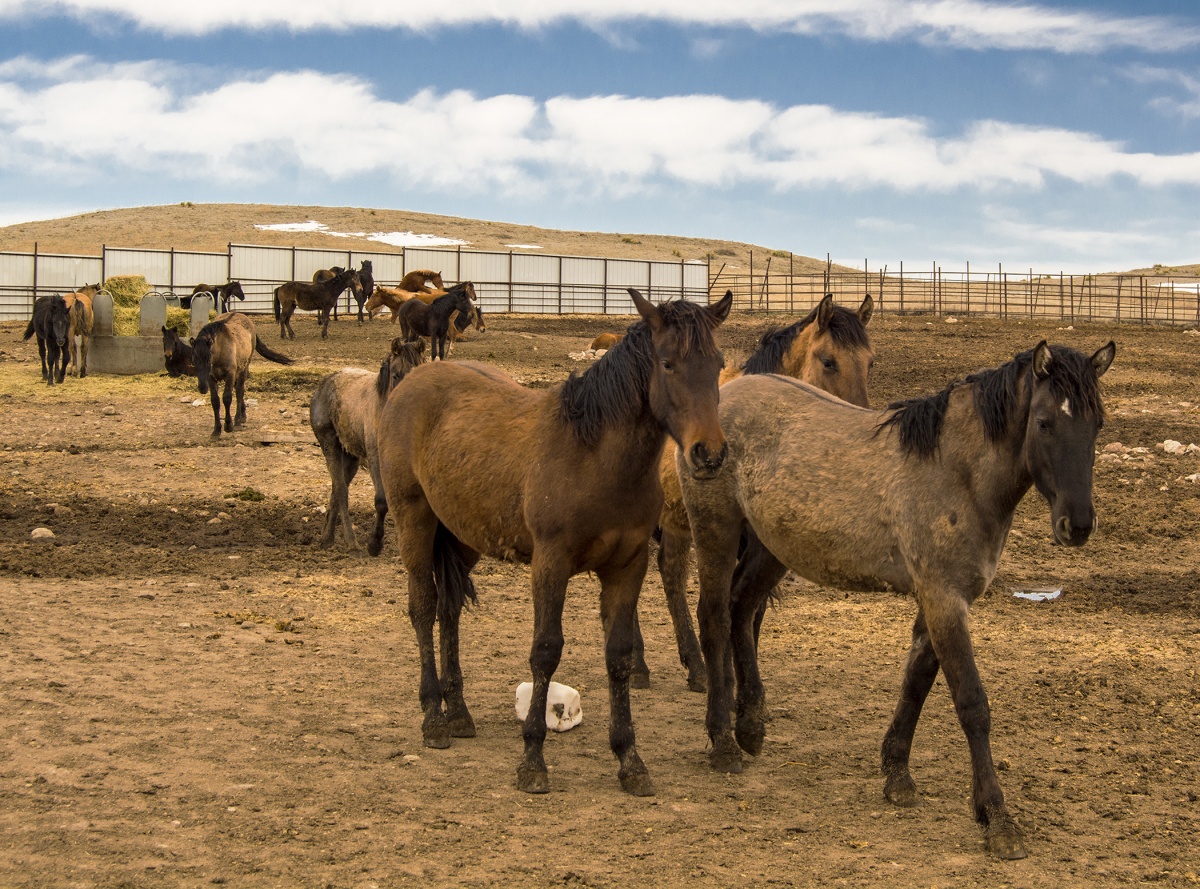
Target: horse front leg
{"x":240,"y":389}
{"x":42,"y":354}
{"x":323,"y":320}
{"x":215,"y":396}
{"x":227,"y":398}
{"x":63,"y":357}
{"x":619,"y":590}
{"x":375,"y":544}
{"x":550,"y":576}
{"x":673,"y":552}
{"x":951,"y":640}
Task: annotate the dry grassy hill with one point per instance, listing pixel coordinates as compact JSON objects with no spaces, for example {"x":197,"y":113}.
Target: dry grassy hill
{"x":211,"y":227}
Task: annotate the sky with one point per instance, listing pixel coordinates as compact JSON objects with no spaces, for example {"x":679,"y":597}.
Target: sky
{"x":1048,"y":135}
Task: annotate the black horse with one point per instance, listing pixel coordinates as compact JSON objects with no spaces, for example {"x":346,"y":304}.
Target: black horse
{"x":433,"y":320}
{"x":221,"y":293}
{"x":366,"y":280}
{"x":51,"y":322}
{"x":177,"y":355}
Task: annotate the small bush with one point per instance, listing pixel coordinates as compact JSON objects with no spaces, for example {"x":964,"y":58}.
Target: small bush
{"x":249,"y":494}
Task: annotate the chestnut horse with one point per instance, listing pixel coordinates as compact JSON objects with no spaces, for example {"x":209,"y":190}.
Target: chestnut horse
{"x":606,"y":341}
{"x":79,"y":304}
{"x":564,"y":479}
{"x":828,"y":348}
{"x":344,"y":412}
{"x":418,"y":319}
{"x":388,"y":298}
{"x":304,"y":295}
{"x":418,"y":280}
{"x":919,"y":499}
{"x":222,"y":352}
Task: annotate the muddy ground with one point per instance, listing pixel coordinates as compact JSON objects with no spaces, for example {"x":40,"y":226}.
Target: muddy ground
{"x":193,"y":694}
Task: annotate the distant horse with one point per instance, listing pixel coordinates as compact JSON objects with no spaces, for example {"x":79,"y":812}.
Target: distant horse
{"x":459,"y":323}
{"x":320,"y":297}
{"x":221,"y":294}
{"x":606,"y":341}
{"x":177,"y":355}
{"x":918,"y":498}
{"x":364,"y":277}
{"x":222,"y":352}
{"x":387,"y":298}
{"x":563,"y":479}
{"x":344,"y":412}
{"x":51,"y":322}
{"x":828,"y":348}
{"x":433,"y":321}
{"x":79,"y":304}
{"x":420,"y":279}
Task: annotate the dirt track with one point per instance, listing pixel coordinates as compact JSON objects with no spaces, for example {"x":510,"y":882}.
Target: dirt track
{"x":194,"y":694}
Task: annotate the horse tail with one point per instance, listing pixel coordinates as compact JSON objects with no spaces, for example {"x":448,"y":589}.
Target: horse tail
{"x":452,"y":576}
{"x":270,"y":354}
{"x":275,"y":303}
{"x":28,"y":330}
{"x":79,"y":316}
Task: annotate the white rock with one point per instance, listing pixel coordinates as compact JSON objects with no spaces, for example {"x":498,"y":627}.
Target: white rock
{"x":47,"y":534}
{"x":563,"y":709}
{"x":1173,"y":447}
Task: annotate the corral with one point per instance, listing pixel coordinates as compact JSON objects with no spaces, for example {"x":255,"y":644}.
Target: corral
{"x":195,"y":694}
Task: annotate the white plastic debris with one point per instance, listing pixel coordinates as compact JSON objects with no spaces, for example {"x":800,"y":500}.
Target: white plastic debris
{"x":1038,"y":594}
{"x":563,"y":710}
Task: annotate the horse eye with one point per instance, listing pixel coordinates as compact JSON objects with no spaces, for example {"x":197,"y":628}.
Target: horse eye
{"x":830,"y":364}
{"x":667,"y":365}
{"x":1043,"y":425}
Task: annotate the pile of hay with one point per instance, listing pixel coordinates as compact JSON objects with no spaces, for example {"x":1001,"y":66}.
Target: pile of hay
{"x":127,"y":290}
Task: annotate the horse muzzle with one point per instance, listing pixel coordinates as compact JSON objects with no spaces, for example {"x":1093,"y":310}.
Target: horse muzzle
{"x":705,"y":465}
{"x":1068,"y":533}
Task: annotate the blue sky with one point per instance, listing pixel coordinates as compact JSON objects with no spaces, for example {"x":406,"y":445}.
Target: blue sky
{"x":1057,"y":135}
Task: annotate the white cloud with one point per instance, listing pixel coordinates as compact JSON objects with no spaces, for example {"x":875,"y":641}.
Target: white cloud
{"x":965,"y":23}
{"x":147,"y":121}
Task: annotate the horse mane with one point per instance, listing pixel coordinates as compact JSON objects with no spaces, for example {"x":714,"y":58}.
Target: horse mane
{"x":845,"y":328}
{"x":613,"y":389}
{"x":202,"y":345}
{"x":412,"y":356}
{"x":918,"y":421}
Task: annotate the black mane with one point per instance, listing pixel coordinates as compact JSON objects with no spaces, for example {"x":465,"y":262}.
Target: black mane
{"x":845,"y":327}
{"x":918,"y":421}
{"x":614,"y":389}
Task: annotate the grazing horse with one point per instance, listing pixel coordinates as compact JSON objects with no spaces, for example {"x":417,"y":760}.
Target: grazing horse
{"x":51,"y":322}
{"x":829,"y":348}
{"x":918,"y":498}
{"x":433,"y":320}
{"x":564,"y":479}
{"x":606,"y":341}
{"x":177,"y":355}
{"x":79,"y":304}
{"x":221,"y":294}
{"x":418,"y":280}
{"x":222,"y":352}
{"x":344,"y":412}
{"x":319,"y":296}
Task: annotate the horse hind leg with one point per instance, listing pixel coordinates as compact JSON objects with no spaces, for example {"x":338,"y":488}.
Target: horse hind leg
{"x":227,"y":399}
{"x":455,"y":559}
{"x":84,"y":343}
{"x":673,"y":552}
{"x":240,"y":388}
{"x":215,"y":396}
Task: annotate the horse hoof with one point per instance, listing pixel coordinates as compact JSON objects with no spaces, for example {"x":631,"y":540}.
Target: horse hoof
{"x":1004,"y":840}
{"x":697,"y":681}
{"x":374,"y":547}
{"x":750,"y":737}
{"x":637,"y":784}
{"x":639,"y":680}
{"x":724,"y":759}
{"x":531,"y":781}
{"x":435,"y":732}
{"x":462,"y":727}
{"x":901,"y":791}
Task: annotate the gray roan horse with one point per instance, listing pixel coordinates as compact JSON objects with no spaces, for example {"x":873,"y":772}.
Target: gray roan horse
{"x":563,"y":479}
{"x":920,"y":498}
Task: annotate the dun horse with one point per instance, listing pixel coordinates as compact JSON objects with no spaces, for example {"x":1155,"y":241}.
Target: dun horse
{"x":79,"y":304}
{"x":221,"y":294}
{"x":51,"y":322}
{"x":222,"y":352}
{"x":564,"y":479}
{"x":344,"y":412}
{"x":433,"y":321}
{"x":320,"y":297}
{"x":829,"y":348}
{"x":919,"y":498}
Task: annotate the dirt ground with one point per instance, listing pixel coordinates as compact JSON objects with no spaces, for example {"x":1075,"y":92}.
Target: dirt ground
{"x":193,"y":694}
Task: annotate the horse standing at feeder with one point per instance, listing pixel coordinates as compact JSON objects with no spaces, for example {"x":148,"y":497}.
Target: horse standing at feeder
{"x":83,"y":320}
{"x":918,"y":498}
{"x":222,"y":352}
{"x":344,"y":412}
{"x":433,"y":320}
{"x":829,"y":348}
{"x":563,"y":479}
{"x":310,"y":296}
{"x":51,"y":322}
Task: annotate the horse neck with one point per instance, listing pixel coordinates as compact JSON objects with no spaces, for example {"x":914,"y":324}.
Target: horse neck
{"x":997,"y":469}
{"x":631,"y":434}
{"x":794,"y":362}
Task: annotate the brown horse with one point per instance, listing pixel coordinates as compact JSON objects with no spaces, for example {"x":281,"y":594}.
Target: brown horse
{"x":361,"y":285}
{"x":304,"y":295}
{"x":828,"y":348}
{"x":606,"y":341}
{"x":564,"y":479}
{"x":222,"y":352}
{"x":222,"y":294}
{"x":387,"y":298}
{"x":459,"y":324}
{"x":919,"y":499}
{"x":419,"y":280}
{"x":433,"y":321}
{"x":344,"y":412}
{"x":79,"y":304}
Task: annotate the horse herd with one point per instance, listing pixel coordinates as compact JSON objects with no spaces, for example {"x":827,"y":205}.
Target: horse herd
{"x":778,"y":464}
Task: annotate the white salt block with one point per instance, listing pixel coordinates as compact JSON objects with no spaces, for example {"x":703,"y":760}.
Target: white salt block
{"x":47,"y":534}
{"x":563,"y":710}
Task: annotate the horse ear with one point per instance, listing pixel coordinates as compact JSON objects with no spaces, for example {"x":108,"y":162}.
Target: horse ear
{"x":397,"y":345}
{"x":866,"y":310}
{"x":648,"y":310}
{"x":1041,"y":360}
{"x":1104,"y":358}
{"x":825,"y":312}
{"x":720,"y":309}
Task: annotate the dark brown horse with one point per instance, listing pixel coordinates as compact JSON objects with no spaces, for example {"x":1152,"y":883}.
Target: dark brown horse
{"x":310,"y":296}
{"x":344,"y":412}
{"x":564,"y":479}
{"x":222,"y":352}
{"x":918,"y":498}
{"x":362,"y":285}
{"x":221,"y":294}
{"x":828,"y":348}
{"x":177,"y":355}
{"x":51,"y":322}
{"x":418,"y":319}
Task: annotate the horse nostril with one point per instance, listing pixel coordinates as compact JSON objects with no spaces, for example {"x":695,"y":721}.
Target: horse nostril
{"x":699,"y":454}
